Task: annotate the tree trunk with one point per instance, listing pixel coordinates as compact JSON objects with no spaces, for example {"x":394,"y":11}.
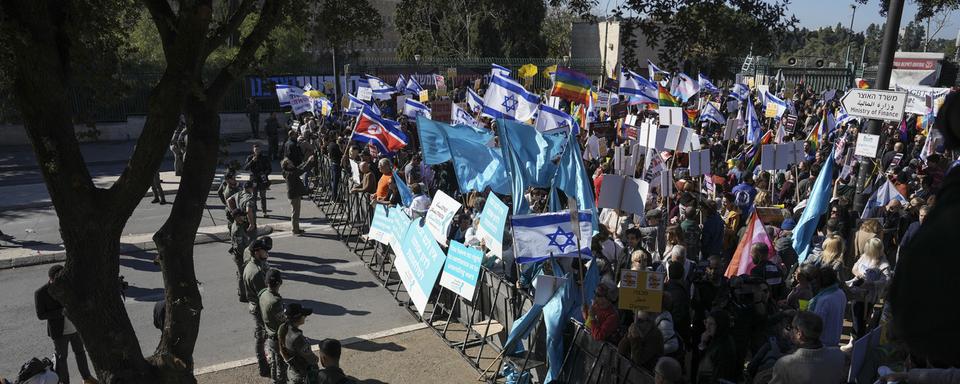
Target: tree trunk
{"x":175,"y":241}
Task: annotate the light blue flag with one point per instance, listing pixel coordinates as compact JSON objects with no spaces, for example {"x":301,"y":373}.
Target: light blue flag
{"x":817,"y":205}
{"x":530,"y":158}
{"x":572,"y":179}
{"x":477,"y":165}
{"x":474,"y":100}
{"x":636,"y":88}
{"x":413,"y":86}
{"x":712,"y":114}
{"x":563,"y":306}
{"x":507,"y":99}
{"x":406,"y":197}
{"x":541,"y":236}
{"x":520,"y":329}
{"x":753,"y":124}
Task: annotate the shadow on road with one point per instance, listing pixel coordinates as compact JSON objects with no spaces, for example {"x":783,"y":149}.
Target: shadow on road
{"x":327,"y":309}
{"x":373,"y":346}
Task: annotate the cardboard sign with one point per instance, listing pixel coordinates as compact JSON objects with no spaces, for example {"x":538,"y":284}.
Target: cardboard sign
{"x":424,"y":96}
{"x":461,"y":270}
{"x":641,"y":290}
{"x":441,"y":110}
{"x":771,"y":110}
{"x":401,"y":101}
{"x":618,"y":111}
{"x":380,"y":226}
{"x":772,"y":215}
{"x":603,"y":128}
{"x":730,"y":131}
{"x":364,"y":93}
{"x":492,"y":220}
{"x":624,"y":193}
{"x":671,"y":116}
{"x":452,"y":73}
{"x":419,"y":265}
{"x":440,"y":215}
{"x":867,"y":145}
{"x":700,"y":162}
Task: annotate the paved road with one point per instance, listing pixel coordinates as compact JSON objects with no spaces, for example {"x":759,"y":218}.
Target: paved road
{"x":319,"y":271}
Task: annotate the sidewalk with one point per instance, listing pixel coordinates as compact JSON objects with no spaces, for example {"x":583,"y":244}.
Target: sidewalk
{"x":417,"y":356}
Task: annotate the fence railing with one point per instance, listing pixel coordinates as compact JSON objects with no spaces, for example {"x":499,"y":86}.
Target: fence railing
{"x":474,"y":328}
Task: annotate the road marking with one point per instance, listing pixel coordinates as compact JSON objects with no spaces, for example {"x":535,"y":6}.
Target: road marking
{"x":315,"y":348}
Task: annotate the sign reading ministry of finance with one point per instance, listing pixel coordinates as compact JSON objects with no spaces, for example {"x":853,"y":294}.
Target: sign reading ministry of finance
{"x":875,"y":104}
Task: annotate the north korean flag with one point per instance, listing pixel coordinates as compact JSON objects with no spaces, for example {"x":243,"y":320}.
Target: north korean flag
{"x":373,"y":129}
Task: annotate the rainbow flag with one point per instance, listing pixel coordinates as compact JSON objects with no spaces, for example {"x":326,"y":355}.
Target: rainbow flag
{"x":753,"y":155}
{"x":692,"y":115}
{"x":819,"y":133}
{"x":571,"y":85}
{"x":666,"y":99}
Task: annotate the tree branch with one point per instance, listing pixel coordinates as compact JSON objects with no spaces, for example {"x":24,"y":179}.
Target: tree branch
{"x":270,"y":15}
{"x":164,"y":18}
{"x":220,"y":34}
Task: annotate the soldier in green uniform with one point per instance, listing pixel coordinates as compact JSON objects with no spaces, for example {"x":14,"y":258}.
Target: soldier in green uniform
{"x":302,"y":363}
{"x":246,"y":201}
{"x":253,"y":281}
{"x":271,"y":310}
{"x":239,"y":242}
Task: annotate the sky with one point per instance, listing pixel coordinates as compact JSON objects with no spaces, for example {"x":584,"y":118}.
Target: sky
{"x":821,"y":13}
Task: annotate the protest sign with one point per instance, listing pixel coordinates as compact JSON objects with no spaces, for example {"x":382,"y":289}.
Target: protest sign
{"x":440,"y":215}
{"x":424,"y":96}
{"x":419,"y":265}
{"x":364,"y":93}
{"x":671,"y":138}
{"x":380,"y":227}
{"x":618,"y":111}
{"x":300,"y":104}
{"x":441,"y":110}
{"x":867,"y":144}
{"x":770,"y":110}
{"x":789,"y":122}
{"x":671,"y":116}
{"x":730,"y":131}
{"x":461,"y":270}
{"x":700,"y":162}
{"x":492,"y":220}
{"x":624,"y":193}
{"x":768,"y":153}
{"x":603,"y":128}
{"x":398,"y":228}
{"x":772,"y":215}
{"x":545,"y":286}
{"x":641,"y":290}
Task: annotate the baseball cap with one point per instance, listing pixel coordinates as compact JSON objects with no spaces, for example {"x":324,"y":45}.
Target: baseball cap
{"x":296,"y":311}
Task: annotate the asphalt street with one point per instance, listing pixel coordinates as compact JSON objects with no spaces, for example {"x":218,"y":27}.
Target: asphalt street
{"x":319,"y":272}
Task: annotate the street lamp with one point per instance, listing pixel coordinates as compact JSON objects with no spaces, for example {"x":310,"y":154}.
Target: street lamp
{"x":846,"y":59}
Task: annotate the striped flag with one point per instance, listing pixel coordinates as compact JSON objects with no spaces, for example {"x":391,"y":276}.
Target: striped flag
{"x":742,"y":262}
{"x":571,"y":85}
{"x":665,"y":98}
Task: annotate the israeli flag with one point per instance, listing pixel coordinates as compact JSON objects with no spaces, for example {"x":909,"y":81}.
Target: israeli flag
{"x":413,"y":86}
{"x":413,"y":108}
{"x":782,"y":105}
{"x":654,"y":70}
{"x":507,"y":99}
{"x":461,"y":116}
{"x":843,"y":117}
{"x":401,"y":83}
{"x":706,"y":84}
{"x":753,"y":124}
{"x":499,"y":69}
{"x":740,"y":92}
{"x":550,"y":119}
{"x":474,"y":100}
{"x":539,"y":237}
{"x":381,"y":90}
{"x":638,"y":89}
{"x":285,"y":91}
{"x":712,"y":114}
{"x":355,"y":105}
{"x":321,"y":107}
{"x":881,"y":197}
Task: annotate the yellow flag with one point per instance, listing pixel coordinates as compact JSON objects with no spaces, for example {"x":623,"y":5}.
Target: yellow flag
{"x":549,"y":71}
{"x":527,"y":71}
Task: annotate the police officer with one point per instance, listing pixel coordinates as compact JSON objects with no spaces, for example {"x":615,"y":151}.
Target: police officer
{"x":239,"y":243}
{"x":259,"y":167}
{"x":301,"y":361}
{"x":271,"y":310}
{"x":254,"y":280}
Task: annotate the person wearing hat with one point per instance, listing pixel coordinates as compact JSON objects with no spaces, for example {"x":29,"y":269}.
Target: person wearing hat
{"x":228,"y":187}
{"x":246,"y":201}
{"x":652,"y":234}
{"x":301,"y":361}
{"x":239,"y":244}
{"x":271,"y":310}
{"x":330,"y":360}
{"x":259,"y":166}
{"x":254,"y":281}
{"x":783,"y":244}
{"x":603,"y":318}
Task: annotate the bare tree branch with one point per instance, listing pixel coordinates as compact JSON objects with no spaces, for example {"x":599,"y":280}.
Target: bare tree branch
{"x":270,"y":16}
{"x":223,"y":31}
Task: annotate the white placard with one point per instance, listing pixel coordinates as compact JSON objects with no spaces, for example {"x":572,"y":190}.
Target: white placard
{"x":730,"y":131}
{"x":768,"y":157}
{"x":625,"y":193}
{"x":867,"y":145}
{"x":355,"y":171}
{"x":440,"y":215}
{"x":672,"y":138}
{"x":671,"y":115}
{"x":875,"y":104}
{"x":700,"y":162}
{"x":364,"y":93}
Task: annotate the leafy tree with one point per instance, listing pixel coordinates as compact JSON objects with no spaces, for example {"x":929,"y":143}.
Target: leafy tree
{"x":711,"y":35}
{"x":471,"y":28}
{"x":59,"y":45}
{"x":338,"y":24}
{"x":556,"y":31}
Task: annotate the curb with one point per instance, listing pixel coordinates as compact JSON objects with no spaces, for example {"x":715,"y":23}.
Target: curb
{"x":316,"y":348}
{"x":128,"y":247}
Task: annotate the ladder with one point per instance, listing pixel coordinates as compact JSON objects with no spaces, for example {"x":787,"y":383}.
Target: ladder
{"x":747,"y":64}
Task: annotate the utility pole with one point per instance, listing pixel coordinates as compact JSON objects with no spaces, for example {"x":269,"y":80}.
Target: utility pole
{"x":846,"y":59}
{"x":889,"y":46}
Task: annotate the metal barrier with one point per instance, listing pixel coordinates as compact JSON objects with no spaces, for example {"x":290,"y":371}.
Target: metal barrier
{"x":476,"y":328}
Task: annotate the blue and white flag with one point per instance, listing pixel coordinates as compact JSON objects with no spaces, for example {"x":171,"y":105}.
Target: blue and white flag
{"x":782,"y":106}
{"x":508,"y":99}
{"x":413,"y":108}
{"x":381,"y":90}
{"x":321,"y":106}
{"x":355,"y":105}
{"x":413,"y":87}
{"x":540,"y":236}
{"x":496,"y":69}
{"x":461,"y":116}
{"x":654,"y":70}
{"x":712,"y":114}
{"x":401,"y":83}
{"x":550,"y":119}
{"x":638,"y":89}
{"x":880,"y":198}
{"x":753,"y":124}
{"x":843,"y":117}
{"x":687,"y":87}
{"x":284,"y":92}
{"x":474,"y":100}
{"x":706,"y":84}
{"x":740,"y":91}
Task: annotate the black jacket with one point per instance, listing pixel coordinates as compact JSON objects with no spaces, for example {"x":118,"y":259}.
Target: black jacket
{"x":49,"y":309}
